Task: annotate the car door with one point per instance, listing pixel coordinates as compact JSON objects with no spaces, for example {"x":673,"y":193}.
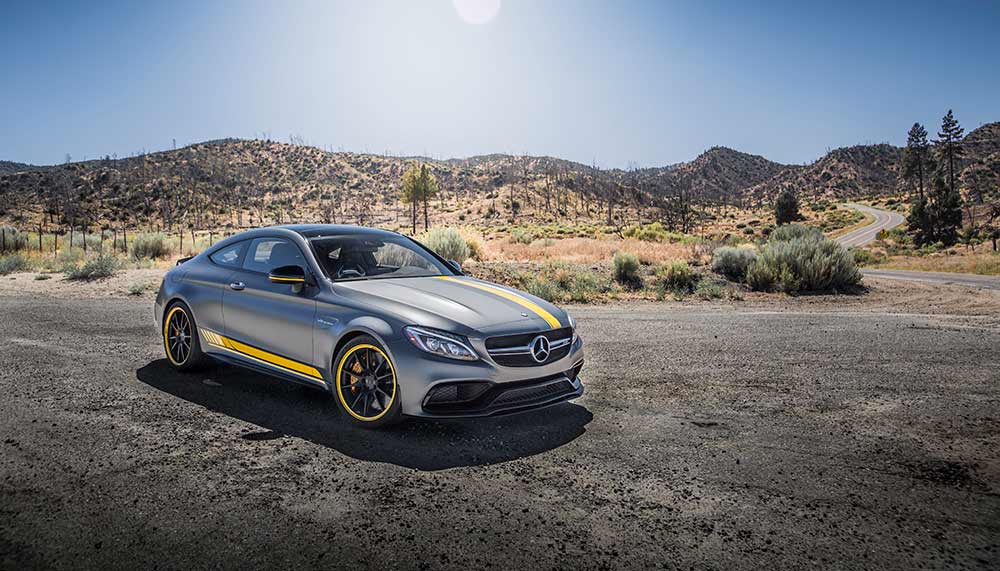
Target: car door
{"x":271,"y":317}
{"x":210,"y":281}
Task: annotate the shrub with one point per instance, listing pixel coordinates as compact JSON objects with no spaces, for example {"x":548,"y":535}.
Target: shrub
{"x":709,"y":289}
{"x":653,"y":232}
{"x":15,"y":263}
{"x":447,"y":243}
{"x":732,"y":262}
{"x":864,"y":257}
{"x":137,"y":288}
{"x":149,"y":246}
{"x":797,"y":258}
{"x":102,"y":266}
{"x":475,"y":248}
{"x":12,"y":239}
{"x":521,"y":236}
{"x":626,"y":266}
{"x":677,"y":277}
{"x":792,"y":231}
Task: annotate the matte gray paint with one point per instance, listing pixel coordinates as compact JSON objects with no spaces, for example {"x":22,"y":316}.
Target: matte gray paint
{"x":307,"y":326}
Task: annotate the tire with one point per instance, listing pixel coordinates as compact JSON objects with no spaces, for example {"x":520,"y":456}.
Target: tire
{"x":182,"y":356}
{"x":370,"y":398}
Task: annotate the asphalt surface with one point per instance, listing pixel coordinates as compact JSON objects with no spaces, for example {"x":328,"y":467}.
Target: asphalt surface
{"x":710,"y":437}
{"x":947,"y":278}
{"x":884,"y":220}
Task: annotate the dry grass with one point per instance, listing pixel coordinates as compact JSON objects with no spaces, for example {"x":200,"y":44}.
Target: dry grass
{"x":583,"y":250}
{"x":955,"y":261}
{"x":868,"y":219}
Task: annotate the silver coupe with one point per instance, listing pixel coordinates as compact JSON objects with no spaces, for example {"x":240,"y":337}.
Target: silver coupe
{"x":382,"y":323}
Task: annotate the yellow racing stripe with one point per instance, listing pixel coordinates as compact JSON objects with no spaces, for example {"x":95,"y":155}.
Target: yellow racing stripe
{"x":523,"y":302}
{"x":256,"y":354}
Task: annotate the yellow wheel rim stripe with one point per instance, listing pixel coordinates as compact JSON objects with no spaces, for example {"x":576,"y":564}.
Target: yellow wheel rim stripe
{"x":340,"y":390}
{"x":523,"y":302}
{"x":166,"y":328}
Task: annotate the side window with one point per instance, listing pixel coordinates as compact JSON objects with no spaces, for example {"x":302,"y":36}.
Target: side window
{"x":268,"y":253}
{"x":230,"y":256}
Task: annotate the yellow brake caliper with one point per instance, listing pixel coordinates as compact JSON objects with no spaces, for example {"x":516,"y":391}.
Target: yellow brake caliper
{"x":354,"y":380}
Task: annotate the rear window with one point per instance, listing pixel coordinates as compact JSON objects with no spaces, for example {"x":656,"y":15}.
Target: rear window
{"x":230,"y":256}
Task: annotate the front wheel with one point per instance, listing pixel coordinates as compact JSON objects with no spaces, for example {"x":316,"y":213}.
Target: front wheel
{"x":180,"y":338}
{"x":366,"y":384}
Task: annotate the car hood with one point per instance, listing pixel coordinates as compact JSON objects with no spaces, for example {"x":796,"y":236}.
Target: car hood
{"x":482,"y":306}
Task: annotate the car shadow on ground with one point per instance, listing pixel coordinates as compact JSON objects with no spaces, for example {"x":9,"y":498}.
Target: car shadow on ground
{"x":285,"y":408}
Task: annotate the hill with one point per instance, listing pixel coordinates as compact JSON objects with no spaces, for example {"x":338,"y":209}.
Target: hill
{"x":846,"y":173}
{"x":7,"y":167}
{"x":235,"y":183}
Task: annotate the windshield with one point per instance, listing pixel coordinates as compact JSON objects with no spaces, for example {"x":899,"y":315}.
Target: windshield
{"x":360,"y":256}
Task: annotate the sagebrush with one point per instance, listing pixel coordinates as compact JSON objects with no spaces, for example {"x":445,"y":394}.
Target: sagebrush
{"x":447,"y":243}
{"x":732,"y":262}
{"x":626,"y":266}
{"x":15,"y":263}
{"x":801,"y":259}
{"x":150,"y":246}
{"x":103,"y":266}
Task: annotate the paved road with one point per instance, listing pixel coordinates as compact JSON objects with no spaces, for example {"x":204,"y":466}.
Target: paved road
{"x":884,"y":220}
{"x":970,"y":280}
{"x":710,"y":437}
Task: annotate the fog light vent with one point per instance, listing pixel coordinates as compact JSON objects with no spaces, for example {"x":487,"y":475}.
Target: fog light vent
{"x":456,"y":392}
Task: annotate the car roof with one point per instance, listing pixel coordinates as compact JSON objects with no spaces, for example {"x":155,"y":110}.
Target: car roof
{"x":317,"y":230}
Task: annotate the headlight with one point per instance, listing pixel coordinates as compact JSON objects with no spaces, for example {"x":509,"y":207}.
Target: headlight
{"x":440,"y":343}
{"x":572,"y":326}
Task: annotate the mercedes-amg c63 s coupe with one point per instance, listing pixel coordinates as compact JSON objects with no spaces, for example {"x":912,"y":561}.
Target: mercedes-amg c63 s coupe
{"x":382,"y":323}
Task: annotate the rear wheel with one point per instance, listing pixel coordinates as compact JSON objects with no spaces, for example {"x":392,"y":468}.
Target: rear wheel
{"x":366,"y":384}
{"x":180,"y":338}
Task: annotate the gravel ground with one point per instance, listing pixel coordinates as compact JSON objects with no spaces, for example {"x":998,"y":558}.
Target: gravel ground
{"x":832,"y":432}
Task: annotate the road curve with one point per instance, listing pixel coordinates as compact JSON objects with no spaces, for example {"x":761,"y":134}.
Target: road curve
{"x":884,"y":220}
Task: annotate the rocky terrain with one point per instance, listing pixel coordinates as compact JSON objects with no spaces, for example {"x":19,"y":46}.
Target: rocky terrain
{"x":239,"y":183}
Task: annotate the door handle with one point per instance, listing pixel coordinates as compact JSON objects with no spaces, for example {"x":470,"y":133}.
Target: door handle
{"x":238,"y":286}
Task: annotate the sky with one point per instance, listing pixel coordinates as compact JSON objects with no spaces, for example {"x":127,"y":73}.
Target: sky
{"x":610,"y":83}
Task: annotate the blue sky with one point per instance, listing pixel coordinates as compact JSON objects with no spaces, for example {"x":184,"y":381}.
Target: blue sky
{"x":611,"y":82}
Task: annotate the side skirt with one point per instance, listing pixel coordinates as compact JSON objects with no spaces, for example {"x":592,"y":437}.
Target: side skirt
{"x":231,"y":360}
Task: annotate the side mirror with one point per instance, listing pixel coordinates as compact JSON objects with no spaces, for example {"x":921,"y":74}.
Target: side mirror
{"x":455,"y":266}
{"x":288,"y":275}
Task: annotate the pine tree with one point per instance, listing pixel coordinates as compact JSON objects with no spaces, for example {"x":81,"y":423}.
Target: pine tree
{"x":915,"y":155}
{"x":949,"y":143}
{"x":786,"y":207}
{"x":409,"y":192}
{"x":919,"y":223}
{"x":427,"y":188}
{"x":945,"y":210}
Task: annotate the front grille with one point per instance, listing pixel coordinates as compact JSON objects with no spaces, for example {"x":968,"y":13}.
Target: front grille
{"x":514,"y":351}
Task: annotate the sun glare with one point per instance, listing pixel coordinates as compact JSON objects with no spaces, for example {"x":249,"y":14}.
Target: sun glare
{"x":477,"y":11}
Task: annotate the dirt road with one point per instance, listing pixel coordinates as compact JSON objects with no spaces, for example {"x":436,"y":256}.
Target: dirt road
{"x":763,"y":435}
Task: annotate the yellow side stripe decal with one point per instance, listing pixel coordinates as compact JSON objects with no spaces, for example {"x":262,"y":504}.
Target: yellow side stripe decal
{"x":525,"y":303}
{"x":256,"y":354}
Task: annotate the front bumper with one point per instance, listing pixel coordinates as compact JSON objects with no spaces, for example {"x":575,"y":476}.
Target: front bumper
{"x":490,"y":389}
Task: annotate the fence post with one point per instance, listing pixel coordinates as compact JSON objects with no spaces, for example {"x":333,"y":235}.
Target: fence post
{"x":85,"y":240}
{"x":125,"y":239}
{"x":209,"y":237}
{"x":39,"y":239}
{"x":3,"y":239}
